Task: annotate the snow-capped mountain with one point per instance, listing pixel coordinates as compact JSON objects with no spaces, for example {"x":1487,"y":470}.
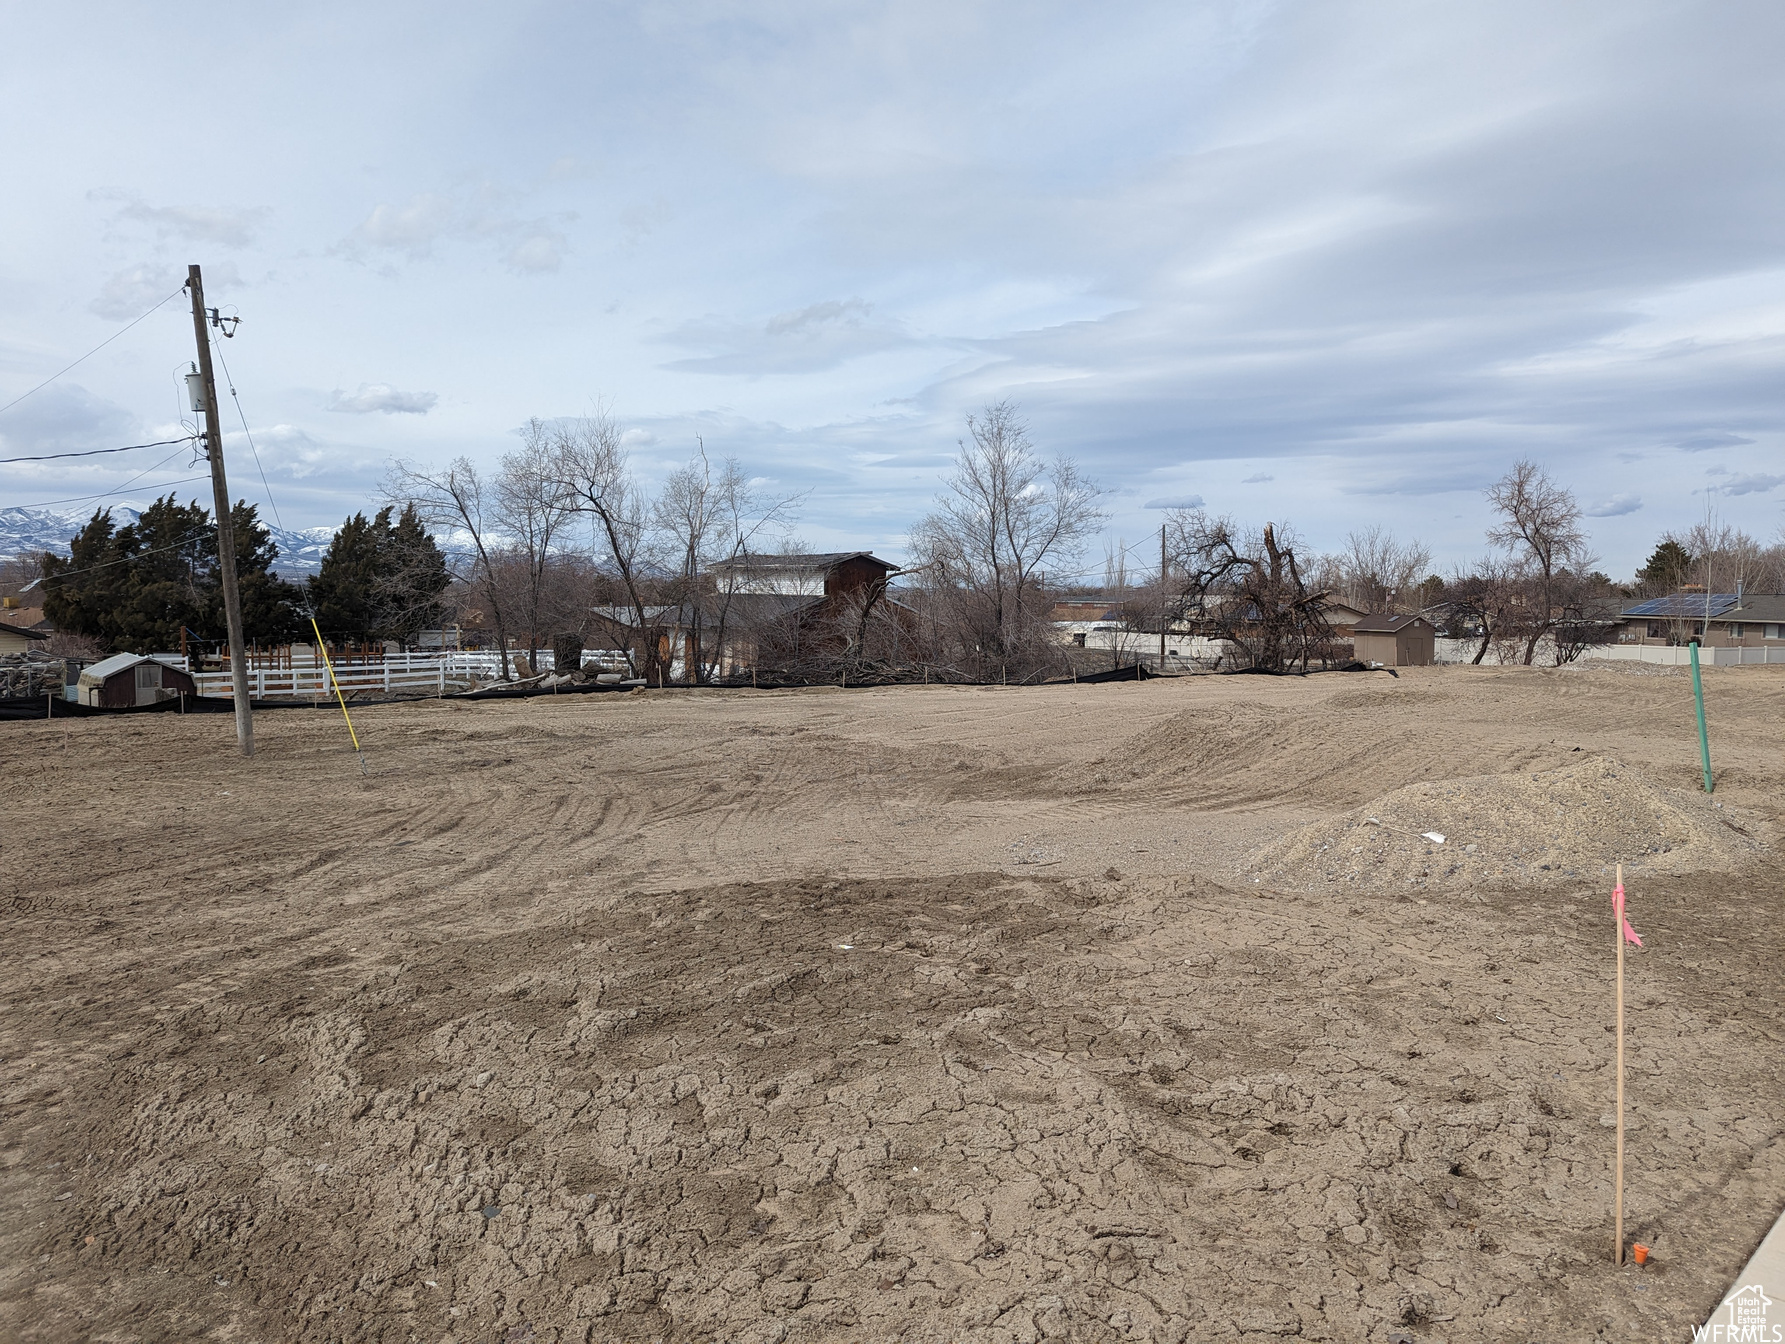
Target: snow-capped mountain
{"x":31,"y":531}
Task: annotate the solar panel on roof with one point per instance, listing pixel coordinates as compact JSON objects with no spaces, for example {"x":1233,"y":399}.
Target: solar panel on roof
{"x":1684,"y":604}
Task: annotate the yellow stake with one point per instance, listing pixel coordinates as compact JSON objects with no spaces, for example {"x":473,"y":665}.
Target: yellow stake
{"x":329,"y":664}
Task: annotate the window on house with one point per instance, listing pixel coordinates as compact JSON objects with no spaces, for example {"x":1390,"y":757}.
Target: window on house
{"x":1079,"y":639}
{"x":1735,"y":629}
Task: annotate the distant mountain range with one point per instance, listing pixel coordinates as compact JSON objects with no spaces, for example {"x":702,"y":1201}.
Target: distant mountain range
{"x":33,"y":531}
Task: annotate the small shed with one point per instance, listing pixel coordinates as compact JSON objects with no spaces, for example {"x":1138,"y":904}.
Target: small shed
{"x":1394,"y":641}
{"x":127,"y":679}
{"x":18,"y":639}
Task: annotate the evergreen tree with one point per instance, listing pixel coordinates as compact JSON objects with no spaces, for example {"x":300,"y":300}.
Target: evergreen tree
{"x":341,"y":591}
{"x":412,"y":578}
{"x":380,"y":580}
{"x":270,"y":605}
{"x":1669,"y":565}
{"x":136,"y":588}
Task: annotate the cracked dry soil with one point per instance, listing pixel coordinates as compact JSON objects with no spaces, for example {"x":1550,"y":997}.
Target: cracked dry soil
{"x":324,"y":1096}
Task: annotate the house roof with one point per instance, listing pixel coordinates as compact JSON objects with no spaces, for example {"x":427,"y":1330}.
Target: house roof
{"x":1722,"y":607}
{"x":822,"y":561}
{"x":21,"y":630}
{"x":1385,"y":623}
{"x":1070,"y":609}
{"x":107,"y":668}
{"x":1758,"y":607}
{"x":1687,"y":605}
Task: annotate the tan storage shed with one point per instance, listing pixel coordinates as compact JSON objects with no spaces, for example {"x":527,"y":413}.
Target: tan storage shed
{"x":1394,"y":641}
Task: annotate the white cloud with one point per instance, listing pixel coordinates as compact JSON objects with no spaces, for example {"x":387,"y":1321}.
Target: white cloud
{"x":198,"y":224}
{"x":1175,"y":502}
{"x":542,"y":251}
{"x":1615,"y":507}
{"x":411,"y":228}
{"x":476,"y":212}
{"x":133,"y":291}
{"x":1258,"y":478}
{"x":383,"y":397}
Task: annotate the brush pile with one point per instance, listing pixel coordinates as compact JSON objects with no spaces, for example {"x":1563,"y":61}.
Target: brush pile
{"x":31,"y":674}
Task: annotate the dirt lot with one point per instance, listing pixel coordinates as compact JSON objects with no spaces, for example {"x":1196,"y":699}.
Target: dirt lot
{"x":1134,"y":1012}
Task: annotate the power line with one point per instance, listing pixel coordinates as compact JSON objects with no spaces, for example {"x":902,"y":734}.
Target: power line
{"x":95,"y":350}
{"x":107,"y":494}
{"x":241,"y":415}
{"x":104,"y":494}
{"x":126,"y":559}
{"x":92,"y":452}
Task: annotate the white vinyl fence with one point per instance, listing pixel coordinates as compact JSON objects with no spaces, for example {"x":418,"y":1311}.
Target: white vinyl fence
{"x":1675,"y":655}
{"x":1678,"y":655}
{"x":393,"y":674}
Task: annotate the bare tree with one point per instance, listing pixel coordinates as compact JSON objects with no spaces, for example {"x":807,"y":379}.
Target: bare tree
{"x":1540,"y":529}
{"x":1724,"y":558}
{"x":533,"y":509}
{"x":1249,"y":589}
{"x":457,"y":499}
{"x":1004,"y":518}
{"x":1478,"y":600}
{"x":1378,"y":573}
{"x":705,"y":522}
{"x":591,"y":465}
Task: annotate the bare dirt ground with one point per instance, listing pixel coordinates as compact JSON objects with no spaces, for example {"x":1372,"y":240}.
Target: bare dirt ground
{"x":932,"y":1014}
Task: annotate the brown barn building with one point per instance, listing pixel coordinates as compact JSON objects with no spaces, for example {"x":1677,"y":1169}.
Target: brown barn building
{"x":1394,"y":641}
{"x":127,"y":679}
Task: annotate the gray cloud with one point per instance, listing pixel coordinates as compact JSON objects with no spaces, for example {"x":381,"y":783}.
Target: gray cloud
{"x":812,"y":339}
{"x":66,"y":417}
{"x":1258,"y":478}
{"x":383,"y":397}
{"x":1377,"y":251}
{"x":1615,"y":507}
{"x":1754,"y":483}
{"x":1703,"y":443}
{"x":1175,"y":502}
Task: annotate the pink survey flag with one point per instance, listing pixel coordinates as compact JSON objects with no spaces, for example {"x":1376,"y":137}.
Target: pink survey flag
{"x":1617,"y":904}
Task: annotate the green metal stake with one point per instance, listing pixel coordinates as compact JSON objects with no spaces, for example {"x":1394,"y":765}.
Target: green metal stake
{"x":1704,"y":741}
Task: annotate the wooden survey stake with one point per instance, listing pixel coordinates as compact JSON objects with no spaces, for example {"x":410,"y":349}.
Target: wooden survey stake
{"x":1617,"y":1254}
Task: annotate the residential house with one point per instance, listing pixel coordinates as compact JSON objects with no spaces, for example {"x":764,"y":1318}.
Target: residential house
{"x":1716,"y":620}
{"x":19,"y":638}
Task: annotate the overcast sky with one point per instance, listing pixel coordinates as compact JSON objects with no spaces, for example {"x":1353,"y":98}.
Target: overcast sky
{"x":1335,"y":263}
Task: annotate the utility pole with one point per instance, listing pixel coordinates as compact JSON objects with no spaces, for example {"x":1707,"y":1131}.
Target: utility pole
{"x":1163,"y":604}
{"x":226,"y":532}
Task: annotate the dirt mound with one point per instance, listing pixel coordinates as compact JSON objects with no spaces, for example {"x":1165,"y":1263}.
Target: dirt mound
{"x":1543,"y":826}
{"x":1298,"y":746}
